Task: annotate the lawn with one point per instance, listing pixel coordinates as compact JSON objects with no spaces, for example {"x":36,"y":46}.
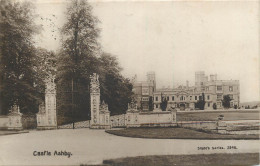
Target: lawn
{"x":212,"y":116}
{"x":175,"y":133}
{"x":200,"y":159}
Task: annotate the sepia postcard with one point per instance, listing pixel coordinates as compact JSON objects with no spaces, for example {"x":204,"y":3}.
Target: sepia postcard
{"x":129,"y":82}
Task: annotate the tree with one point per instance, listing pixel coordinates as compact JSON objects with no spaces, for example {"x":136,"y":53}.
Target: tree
{"x":77,"y":60}
{"x":45,"y":66}
{"x":201,"y":102}
{"x":163,"y":103}
{"x":226,"y":101}
{"x":17,"y":53}
{"x":45,"y":63}
{"x":115,"y":90}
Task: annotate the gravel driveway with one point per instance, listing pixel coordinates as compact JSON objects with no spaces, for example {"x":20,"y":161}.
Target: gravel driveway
{"x":92,"y":146}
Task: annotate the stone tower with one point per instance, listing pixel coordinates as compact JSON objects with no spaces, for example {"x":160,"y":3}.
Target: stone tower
{"x":151,"y":79}
{"x":200,"y":78}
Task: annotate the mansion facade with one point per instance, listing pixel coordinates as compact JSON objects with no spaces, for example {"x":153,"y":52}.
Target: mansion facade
{"x":144,"y":91}
{"x":185,"y":97}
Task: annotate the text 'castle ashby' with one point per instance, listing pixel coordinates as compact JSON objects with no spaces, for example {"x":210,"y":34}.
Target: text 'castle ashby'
{"x":185,"y":97}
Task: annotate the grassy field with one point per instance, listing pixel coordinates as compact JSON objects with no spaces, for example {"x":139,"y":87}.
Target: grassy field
{"x":201,"y":159}
{"x":212,"y":116}
{"x":175,"y":133}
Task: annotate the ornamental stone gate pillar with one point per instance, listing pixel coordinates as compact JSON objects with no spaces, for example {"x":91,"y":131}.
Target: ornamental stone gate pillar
{"x":47,"y":118}
{"x":94,"y":100}
{"x":100,"y":119}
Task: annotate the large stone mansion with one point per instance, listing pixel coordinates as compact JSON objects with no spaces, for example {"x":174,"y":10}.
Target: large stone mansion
{"x":185,"y":97}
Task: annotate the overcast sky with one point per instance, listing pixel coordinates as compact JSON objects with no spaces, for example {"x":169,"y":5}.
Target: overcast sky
{"x":173,"y":38}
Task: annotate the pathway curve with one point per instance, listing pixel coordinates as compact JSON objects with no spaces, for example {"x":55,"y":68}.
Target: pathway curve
{"x":93,"y":146}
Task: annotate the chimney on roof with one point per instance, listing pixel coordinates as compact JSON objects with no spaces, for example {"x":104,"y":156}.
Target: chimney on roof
{"x":213,"y":77}
{"x":134,"y":79}
{"x":187,"y":83}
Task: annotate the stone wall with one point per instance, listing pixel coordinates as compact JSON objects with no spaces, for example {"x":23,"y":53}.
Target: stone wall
{"x":4,"y":120}
{"x":200,"y":125}
{"x":151,"y":119}
{"x":239,"y":127}
{"x":144,"y":119}
{"x":212,"y":115}
{"x":156,"y":117}
{"x":245,"y":132}
{"x":224,"y":127}
{"x":118,"y":120}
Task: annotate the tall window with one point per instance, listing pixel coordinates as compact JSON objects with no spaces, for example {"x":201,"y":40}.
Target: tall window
{"x":219,"y":96}
{"x":208,"y":97}
{"x":196,"y":98}
{"x":172,"y":98}
{"x":168,"y":98}
{"x":230,"y":88}
{"x":231,"y":97}
{"x":190,"y":97}
{"x":219,"y":88}
{"x":156,"y":98}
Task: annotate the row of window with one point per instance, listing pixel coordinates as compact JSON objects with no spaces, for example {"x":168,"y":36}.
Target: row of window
{"x":219,"y":88}
{"x":182,"y":98}
{"x":219,"y":104}
{"x":187,"y":105}
{"x":219,"y":96}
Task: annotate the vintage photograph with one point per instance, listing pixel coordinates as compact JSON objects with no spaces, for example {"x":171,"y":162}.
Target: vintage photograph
{"x":129,"y":82}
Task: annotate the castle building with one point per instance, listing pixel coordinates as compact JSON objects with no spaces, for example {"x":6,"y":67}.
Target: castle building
{"x":144,"y":90}
{"x":185,"y":97}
